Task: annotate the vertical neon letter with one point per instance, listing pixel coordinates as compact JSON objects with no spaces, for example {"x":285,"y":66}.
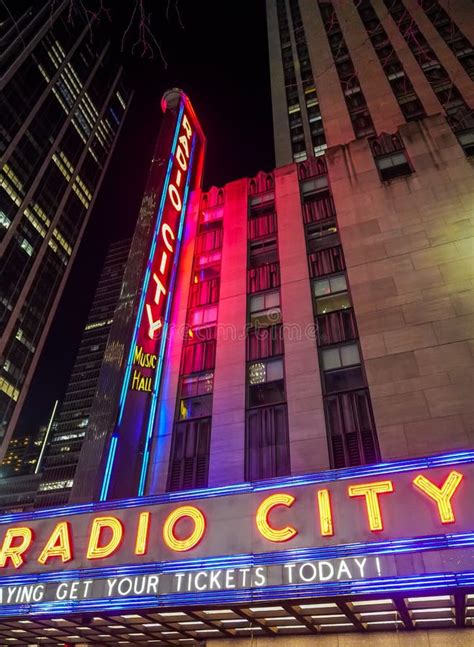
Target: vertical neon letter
{"x":141,"y":543}
{"x":325,"y":513}
{"x":443,"y":495}
{"x":371,"y":493}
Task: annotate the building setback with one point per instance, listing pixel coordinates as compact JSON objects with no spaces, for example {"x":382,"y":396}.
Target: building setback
{"x":342,"y":71}
{"x":58,"y":465}
{"x":63,"y":102}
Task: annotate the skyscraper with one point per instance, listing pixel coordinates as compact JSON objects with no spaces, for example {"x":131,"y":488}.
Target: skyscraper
{"x":58,"y":465}
{"x":63,"y":102}
{"x":342,"y":71}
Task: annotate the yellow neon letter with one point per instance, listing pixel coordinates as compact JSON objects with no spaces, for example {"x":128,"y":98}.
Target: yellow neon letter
{"x":443,"y":495}
{"x":325,"y":513}
{"x":141,"y":543}
{"x":58,"y":544}
{"x":371,"y":491}
{"x":15,"y":553}
{"x":194,"y":538}
{"x":94,"y":551}
{"x":263,"y":513}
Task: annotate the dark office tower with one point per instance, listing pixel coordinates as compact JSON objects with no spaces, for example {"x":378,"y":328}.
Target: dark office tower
{"x":59,"y":463}
{"x":63,"y":102}
{"x":342,"y":71}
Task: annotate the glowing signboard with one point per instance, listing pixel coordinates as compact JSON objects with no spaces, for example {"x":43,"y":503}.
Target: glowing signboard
{"x":320,"y":530}
{"x":176,"y":169}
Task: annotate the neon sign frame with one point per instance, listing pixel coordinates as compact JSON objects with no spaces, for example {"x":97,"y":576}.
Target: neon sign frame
{"x":185,"y":165}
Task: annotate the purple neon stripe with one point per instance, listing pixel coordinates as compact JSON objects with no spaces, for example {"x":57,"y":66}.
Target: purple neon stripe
{"x":394,"y":467}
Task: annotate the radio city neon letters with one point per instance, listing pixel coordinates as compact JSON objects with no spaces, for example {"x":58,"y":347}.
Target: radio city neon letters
{"x":167,"y":237}
{"x":272,"y":518}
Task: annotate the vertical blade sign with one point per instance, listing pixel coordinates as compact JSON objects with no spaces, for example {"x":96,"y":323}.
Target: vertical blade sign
{"x":129,"y":447}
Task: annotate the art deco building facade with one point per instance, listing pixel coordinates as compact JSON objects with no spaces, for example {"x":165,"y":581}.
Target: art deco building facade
{"x":63,"y":102}
{"x":59,"y":462}
{"x":315,"y":398}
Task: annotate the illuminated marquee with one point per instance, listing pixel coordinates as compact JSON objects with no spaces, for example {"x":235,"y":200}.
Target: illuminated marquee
{"x":175,"y":170}
{"x":186,"y":526}
{"x":310,"y":530}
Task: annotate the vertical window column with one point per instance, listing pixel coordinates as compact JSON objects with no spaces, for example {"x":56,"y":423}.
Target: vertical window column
{"x":356,"y":104}
{"x":295,"y":119}
{"x":460,"y":117}
{"x":189,"y":462}
{"x":401,"y":85}
{"x":349,"y":420}
{"x":318,"y":139}
{"x":267,"y":446}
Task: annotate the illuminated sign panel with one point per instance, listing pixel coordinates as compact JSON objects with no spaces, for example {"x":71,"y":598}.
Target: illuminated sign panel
{"x":316,"y":534}
{"x":176,"y":169}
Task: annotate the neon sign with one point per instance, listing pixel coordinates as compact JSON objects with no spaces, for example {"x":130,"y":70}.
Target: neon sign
{"x":332,"y":532}
{"x":277,"y":518}
{"x":176,"y":169}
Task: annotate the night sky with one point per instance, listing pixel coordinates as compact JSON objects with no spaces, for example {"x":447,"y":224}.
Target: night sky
{"x":220,"y":59}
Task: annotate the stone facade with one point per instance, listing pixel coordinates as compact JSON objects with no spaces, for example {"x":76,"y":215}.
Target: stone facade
{"x":409,"y":251}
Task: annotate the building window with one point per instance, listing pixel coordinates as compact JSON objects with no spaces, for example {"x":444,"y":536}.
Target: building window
{"x":195,"y":397}
{"x":326,"y":261}
{"x":318,"y":207}
{"x":265,"y":342}
{"x":341,"y":368}
{"x":314,"y":185}
{"x":190,"y":455}
{"x":266,"y":384}
{"x":263,"y":251}
{"x":265,"y":309}
{"x":466,"y":139}
{"x":198,"y":407}
{"x":331,"y":294}
{"x":393,"y":166}
{"x":390,"y":156}
{"x":340,"y":356}
{"x":204,"y":293}
{"x":268,"y":453}
{"x":264,"y":277}
{"x":335,"y":327}
{"x":351,"y":428}
{"x":263,"y":224}
{"x":321,"y":235}
{"x":211,"y":239}
{"x":208,"y":259}
{"x":203,"y":317}
{"x":199,"y":356}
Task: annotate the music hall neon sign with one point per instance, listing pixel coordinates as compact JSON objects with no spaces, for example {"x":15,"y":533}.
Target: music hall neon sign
{"x":175,"y":170}
{"x":161,"y":531}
